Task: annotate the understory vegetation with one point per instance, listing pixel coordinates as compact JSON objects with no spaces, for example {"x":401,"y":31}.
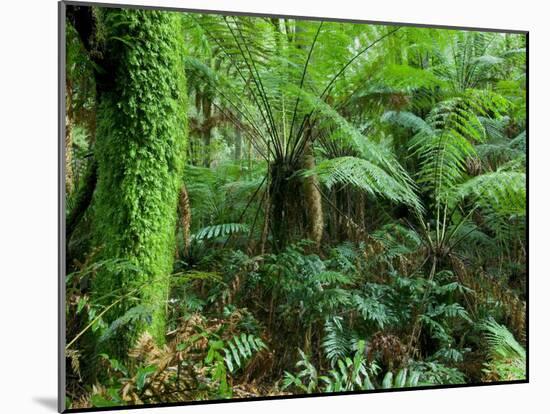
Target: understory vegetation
{"x":264,"y":206}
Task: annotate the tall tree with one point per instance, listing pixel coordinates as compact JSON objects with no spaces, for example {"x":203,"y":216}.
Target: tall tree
{"x":141,"y":138}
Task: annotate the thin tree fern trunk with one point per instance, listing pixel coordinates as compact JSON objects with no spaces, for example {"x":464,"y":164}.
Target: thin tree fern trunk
{"x":313,"y":201}
{"x":69,"y":176}
{"x":185,"y":219}
{"x":140,"y":149}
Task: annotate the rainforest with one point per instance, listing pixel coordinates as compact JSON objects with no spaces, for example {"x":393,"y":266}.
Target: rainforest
{"x":266,"y":206}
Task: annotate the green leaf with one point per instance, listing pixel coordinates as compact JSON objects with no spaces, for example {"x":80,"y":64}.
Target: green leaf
{"x":241,"y":348}
{"x":387,"y":382}
{"x":100,"y":401}
{"x":81,"y":303}
{"x":400,"y":378}
{"x":235,"y":354}
{"x":142,"y":375}
{"x":247,"y":341}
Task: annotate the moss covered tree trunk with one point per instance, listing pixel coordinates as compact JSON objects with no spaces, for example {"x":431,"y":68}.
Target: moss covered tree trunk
{"x":140,"y":148}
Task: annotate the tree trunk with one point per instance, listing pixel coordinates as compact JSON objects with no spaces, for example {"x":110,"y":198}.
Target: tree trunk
{"x":82,"y":200}
{"x":185,"y":219}
{"x":140,"y":151}
{"x":238,"y":145}
{"x":207,"y":130}
{"x":69,"y":176}
{"x":313,"y":201}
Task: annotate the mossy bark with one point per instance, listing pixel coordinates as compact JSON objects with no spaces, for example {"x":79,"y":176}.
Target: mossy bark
{"x":140,"y":150}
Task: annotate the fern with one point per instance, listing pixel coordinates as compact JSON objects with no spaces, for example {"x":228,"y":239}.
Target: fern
{"x":501,"y":196}
{"x":377,"y":164}
{"x":444,"y":147}
{"x":307,"y":379}
{"x":397,"y":240}
{"x":407,"y":120}
{"x":404,"y":378}
{"x":407,"y":78}
{"x":372,"y":309}
{"x":240,"y":349}
{"x":220,"y":230}
{"x":139,"y":313}
{"x":336,"y":341}
{"x":367,"y":176}
{"x":348,"y":374}
{"x":507,"y":358}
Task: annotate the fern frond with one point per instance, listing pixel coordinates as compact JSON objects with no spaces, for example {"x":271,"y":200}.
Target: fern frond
{"x":501,"y":196}
{"x":220,"y":230}
{"x":507,"y":358}
{"x":365,"y":175}
{"x":239,"y":349}
{"x":336,"y":342}
{"x":407,"y":120}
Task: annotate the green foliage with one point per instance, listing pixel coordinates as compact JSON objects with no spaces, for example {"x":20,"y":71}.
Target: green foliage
{"x":507,"y":358}
{"x":366,"y":176}
{"x":135,"y":315}
{"x":240,"y":349}
{"x":501,"y":196}
{"x":406,"y":146}
{"x":397,"y":240}
{"x":218,"y":370}
{"x":403,"y":379}
{"x":435,"y":373}
{"x":220,"y":230}
{"x":348,"y":374}
{"x":310,"y":289}
{"x":337,"y":341}
{"x":228,"y":357}
{"x":140,"y":147}
{"x":444,"y":147}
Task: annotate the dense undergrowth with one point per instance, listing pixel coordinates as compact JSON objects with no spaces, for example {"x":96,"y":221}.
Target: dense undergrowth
{"x":351,"y":212}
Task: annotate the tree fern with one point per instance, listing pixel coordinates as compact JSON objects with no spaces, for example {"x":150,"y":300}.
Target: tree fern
{"x":501,"y":196}
{"x":397,"y":240}
{"x":444,"y":147}
{"x":407,"y":120}
{"x":364,"y":175}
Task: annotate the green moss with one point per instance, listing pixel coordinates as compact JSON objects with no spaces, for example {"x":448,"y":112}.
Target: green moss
{"x":140,"y":148}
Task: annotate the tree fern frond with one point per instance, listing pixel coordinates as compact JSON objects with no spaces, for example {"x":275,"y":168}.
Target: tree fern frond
{"x":364,"y":175}
{"x":501,"y":196}
{"x":507,"y":358}
{"x":408,"y":120}
{"x":220,"y":230}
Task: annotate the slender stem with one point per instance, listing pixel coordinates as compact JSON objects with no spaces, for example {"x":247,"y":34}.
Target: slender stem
{"x":303,"y":77}
{"x":257,"y":82}
{"x":342,"y":70}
